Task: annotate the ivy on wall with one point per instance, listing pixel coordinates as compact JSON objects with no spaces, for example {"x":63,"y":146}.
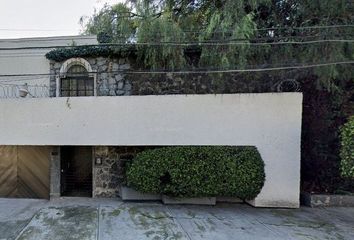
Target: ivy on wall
{"x":61,"y":54}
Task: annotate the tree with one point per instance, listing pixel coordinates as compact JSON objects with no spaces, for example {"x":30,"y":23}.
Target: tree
{"x":233,"y":34}
{"x":110,"y":24}
{"x":225,"y":32}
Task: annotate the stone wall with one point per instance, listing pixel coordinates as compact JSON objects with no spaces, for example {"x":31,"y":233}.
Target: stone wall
{"x":114,"y":79}
{"x":110,"y":79}
{"x":55,"y":172}
{"x":108,"y":176}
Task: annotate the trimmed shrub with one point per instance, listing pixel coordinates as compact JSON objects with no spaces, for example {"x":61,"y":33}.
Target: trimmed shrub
{"x":347,"y":149}
{"x":198,"y":171}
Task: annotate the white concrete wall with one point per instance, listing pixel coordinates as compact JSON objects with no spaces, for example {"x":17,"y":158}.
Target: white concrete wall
{"x":270,"y":121}
{"x":24,"y":61}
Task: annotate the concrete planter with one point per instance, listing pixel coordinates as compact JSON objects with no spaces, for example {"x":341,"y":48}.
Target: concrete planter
{"x":192,"y":201}
{"x":327,"y":200}
{"x":129,"y":194}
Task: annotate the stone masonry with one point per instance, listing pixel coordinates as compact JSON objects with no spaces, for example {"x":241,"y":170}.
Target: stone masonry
{"x":108,"y":176}
{"x":113,"y":80}
{"x":110,"y":79}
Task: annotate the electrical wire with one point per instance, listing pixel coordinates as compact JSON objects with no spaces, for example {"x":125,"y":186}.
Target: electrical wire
{"x":33,"y":30}
{"x":200,"y":31}
{"x":307,"y":27}
{"x":4,"y":81}
{"x":244,"y":70}
{"x":299,"y":66}
{"x":186,"y":44}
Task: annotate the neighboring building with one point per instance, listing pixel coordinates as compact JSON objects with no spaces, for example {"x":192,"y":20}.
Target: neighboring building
{"x":83,"y":118}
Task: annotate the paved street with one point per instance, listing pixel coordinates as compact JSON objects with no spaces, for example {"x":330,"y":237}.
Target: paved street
{"x":79,"y":218}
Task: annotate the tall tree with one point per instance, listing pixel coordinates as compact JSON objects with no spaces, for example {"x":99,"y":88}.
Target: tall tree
{"x":111,"y":24}
{"x":225,"y":32}
{"x":239,"y":34}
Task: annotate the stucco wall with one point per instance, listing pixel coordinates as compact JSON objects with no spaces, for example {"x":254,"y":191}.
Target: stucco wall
{"x":31,"y":61}
{"x":270,"y":121}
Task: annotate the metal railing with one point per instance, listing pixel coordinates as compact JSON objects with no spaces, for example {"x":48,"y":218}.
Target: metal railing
{"x":10,"y":90}
{"x":23,"y":91}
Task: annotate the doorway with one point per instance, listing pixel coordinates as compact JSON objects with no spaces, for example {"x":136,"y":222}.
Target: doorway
{"x":76,"y":171}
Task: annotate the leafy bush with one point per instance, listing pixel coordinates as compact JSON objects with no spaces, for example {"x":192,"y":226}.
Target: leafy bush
{"x":198,"y":171}
{"x":347,"y":149}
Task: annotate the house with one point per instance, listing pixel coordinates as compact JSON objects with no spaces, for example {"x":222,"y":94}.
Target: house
{"x":69,"y":123}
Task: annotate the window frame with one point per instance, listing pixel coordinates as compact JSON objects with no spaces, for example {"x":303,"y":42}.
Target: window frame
{"x":92,"y":75}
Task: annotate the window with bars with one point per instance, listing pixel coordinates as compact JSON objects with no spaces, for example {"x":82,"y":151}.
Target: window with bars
{"x":77,"y":83}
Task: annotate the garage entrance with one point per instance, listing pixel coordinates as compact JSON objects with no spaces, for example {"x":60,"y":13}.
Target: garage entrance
{"x":24,"y":171}
{"x":76,"y":171}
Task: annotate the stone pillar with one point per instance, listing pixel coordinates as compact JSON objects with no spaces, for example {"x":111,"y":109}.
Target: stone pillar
{"x":108,"y":176}
{"x":55,"y":172}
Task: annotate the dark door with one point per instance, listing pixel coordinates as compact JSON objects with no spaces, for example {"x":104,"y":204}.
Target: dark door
{"x":76,"y":171}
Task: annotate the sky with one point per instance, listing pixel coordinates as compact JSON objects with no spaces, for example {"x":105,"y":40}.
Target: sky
{"x":43,"y":18}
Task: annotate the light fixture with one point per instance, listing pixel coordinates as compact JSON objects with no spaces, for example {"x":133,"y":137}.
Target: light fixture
{"x":23,"y":90}
{"x":98,"y":161}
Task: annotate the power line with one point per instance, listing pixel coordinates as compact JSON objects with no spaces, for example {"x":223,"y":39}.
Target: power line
{"x":185,"y":44}
{"x":244,"y":70}
{"x":41,"y":79}
{"x":200,"y":31}
{"x":308,"y":27}
{"x":241,"y":43}
{"x":230,"y":38}
{"x":33,"y":30}
{"x":276,"y":28}
{"x":29,"y":85}
{"x":300,"y":66}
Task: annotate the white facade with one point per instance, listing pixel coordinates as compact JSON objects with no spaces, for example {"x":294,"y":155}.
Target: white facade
{"x":25,"y":61}
{"x":269,"y":121}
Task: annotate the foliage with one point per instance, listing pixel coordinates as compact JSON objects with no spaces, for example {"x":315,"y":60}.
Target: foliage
{"x":158,"y":31}
{"x":62,"y":54}
{"x":323,"y":114}
{"x":198,"y":171}
{"x":291,"y":19}
{"x":111,"y":24}
{"x":209,"y":24}
{"x":347,"y":149}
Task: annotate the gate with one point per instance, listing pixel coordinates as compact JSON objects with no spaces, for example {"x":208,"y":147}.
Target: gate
{"x":24,"y":171}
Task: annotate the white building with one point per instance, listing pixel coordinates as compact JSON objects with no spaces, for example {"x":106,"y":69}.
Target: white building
{"x":50,"y":130}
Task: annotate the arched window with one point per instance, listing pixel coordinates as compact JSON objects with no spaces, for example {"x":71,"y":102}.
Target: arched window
{"x":76,"y":83}
{"x":76,"y":79}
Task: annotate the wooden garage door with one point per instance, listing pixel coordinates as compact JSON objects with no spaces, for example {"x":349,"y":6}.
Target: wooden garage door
{"x":27,"y":171}
{"x":8,"y":171}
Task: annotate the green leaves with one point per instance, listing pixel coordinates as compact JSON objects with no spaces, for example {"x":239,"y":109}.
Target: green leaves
{"x":167,"y":29}
{"x":112,"y":24}
{"x":62,"y":54}
{"x":198,"y":171}
{"x":347,"y":149}
{"x":159,"y":31}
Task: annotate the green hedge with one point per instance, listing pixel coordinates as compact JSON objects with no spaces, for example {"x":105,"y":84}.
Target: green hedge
{"x":347,"y":149}
{"x":198,"y":171}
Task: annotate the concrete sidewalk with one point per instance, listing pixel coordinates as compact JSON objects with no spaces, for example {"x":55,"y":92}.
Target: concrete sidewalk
{"x":105,"y":219}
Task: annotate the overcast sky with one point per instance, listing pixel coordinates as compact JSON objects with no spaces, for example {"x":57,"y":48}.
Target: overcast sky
{"x":34,"y":18}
